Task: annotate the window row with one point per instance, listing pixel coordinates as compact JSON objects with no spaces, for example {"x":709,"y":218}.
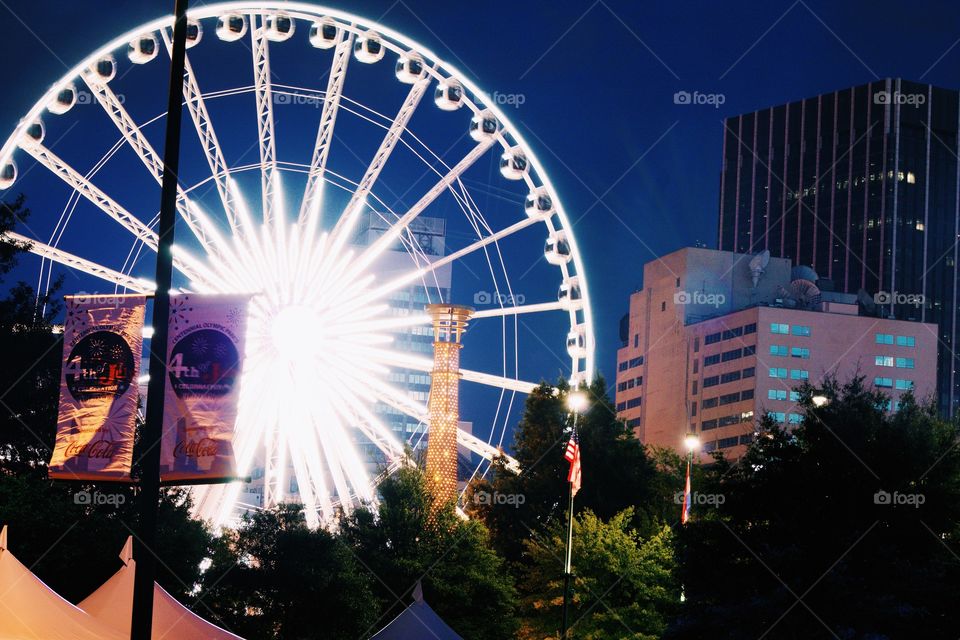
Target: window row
{"x":795,"y":374}
{"x":630,"y":364}
{"x":726,"y":443}
{"x":786,"y":329}
{"x":900,"y":341}
{"x":890,"y":361}
{"x":630,"y":384}
{"x":890,"y":383}
{"x":790,"y":418}
{"x":727,"y":398}
{"x":713,"y":381}
{"x":728,"y":334}
{"x":783,"y":394}
{"x":783,"y":350}
{"x":726,"y":421}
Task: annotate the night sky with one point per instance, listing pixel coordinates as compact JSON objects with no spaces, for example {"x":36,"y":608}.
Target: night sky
{"x":638,"y":173}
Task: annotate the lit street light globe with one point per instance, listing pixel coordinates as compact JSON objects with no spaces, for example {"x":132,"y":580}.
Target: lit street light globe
{"x":577,"y":401}
{"x":692,"y":442}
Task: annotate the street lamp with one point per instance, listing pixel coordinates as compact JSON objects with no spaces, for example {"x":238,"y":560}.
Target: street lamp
{"x":819,"y":400}
{"x":577,"y":402}
{"x":692,"y":443}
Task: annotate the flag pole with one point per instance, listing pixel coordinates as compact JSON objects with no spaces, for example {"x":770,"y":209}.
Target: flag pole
{"x":566,"y":565}
{"x":141,"y":625}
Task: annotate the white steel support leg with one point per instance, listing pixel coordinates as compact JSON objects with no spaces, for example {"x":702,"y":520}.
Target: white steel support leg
{"x":310,"y":206}
{"x":341,"y":232}
{"x":208,"y":137}
{"x":264,"y":95}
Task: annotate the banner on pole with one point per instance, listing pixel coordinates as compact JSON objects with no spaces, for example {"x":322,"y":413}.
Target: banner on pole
{"x":102,"y":347}
{"x":205,"y":350}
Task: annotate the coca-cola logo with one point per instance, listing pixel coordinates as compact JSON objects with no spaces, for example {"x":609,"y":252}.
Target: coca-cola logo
{"x":204,"y":363}
{"x":103,"y":449}
{"x":195,"y":448}
{"x":100,"y":365}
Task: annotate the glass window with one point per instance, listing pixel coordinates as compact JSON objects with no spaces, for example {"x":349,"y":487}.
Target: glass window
{"x":727,"y":356}
{"x":905,"y":363}
{"x":709,"y":403}
{"x":712,"y":381}
{"x":622,"y":367}
{"x":708,"y":424}
{"x":799,"y":374}
{"x":749,"y":350}
{"x":883,"y":361}
{"x":800,"y":330}
{"x":778,"y":349}
{"x":711,"y":360}
{"x":634,"y":403}
{"x":777,"y":394}
{"x":904,"y":384}
{"x":712,"y":338}
{"x":778,"y":372}
{"x":795,"y":418}
{"x":781,"y":329}
{"x":794,"y":396}
{"x":749,"y":372}
{"x":906,"y":341}
{"x":883,"y":382}
{"x":800,"y":352}
{"x":730,"y":377}
{"x":778,"y":416}
{"x":884,"y":338}
{"x":750,"y":328}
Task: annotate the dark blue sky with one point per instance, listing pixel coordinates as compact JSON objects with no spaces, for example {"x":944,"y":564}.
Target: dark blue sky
{"x":637,"y":172}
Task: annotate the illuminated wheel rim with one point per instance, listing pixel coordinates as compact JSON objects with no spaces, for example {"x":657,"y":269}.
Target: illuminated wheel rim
{"x":327,"y":338}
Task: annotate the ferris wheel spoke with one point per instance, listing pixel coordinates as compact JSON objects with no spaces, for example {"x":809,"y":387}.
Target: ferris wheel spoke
{"x":80,"y":264}
{"x":486,"y":450}
{"x":354,"y":208}
{"x":517,"y":310}
{"x":382,"y":243}
{"x":208,"y":137}
{"x":199,"y":224}
{"x":105,"y":203}
{"x":310,"y":205}
{"x":422,"y":270}
{"x":264,"y":97}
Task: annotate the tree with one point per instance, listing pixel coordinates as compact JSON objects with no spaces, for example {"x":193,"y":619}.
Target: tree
{"x":463,"y":579}
{"x":854,"y":512}
{"x":274,"y":577}
{"x":617,"y":472}
{"x":30,"y":375}
{"x":623,"y":587}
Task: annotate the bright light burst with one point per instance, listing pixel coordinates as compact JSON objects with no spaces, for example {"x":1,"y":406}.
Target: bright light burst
{"x":319,"y":353}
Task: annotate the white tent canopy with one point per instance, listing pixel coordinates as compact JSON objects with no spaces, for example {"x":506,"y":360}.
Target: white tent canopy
{"x":30,"y":610}
{"x":112,"y":605}
{"x":417,"y":622}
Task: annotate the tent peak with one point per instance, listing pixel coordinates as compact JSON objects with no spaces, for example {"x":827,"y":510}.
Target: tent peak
{"x":418,"y":592}
{"x":126,"y":554}
{"x":3,"y":538}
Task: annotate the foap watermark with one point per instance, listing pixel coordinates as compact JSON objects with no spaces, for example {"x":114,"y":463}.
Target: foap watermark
{"x":502,"y":299}
{"x":85,"y":97}
{"x":296,"y":98}
{"x":699,"y":297}
{"x":509,"y":99}
{"x":98,"y":498}
{"x":98,"y":299}
{"x":702,"y":499}
{"x":899,"y":499}
{"x":897,"y":297}
{"x":496,"y":498}
{"x":712,"y":99}
{"x":896,"y":97}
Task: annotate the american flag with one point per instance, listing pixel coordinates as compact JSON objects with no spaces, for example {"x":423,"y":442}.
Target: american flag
{"x":685,"y":511}
{"x":572,"y":455}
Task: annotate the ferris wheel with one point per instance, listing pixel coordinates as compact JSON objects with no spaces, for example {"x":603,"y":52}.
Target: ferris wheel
{"x":347,"y":177}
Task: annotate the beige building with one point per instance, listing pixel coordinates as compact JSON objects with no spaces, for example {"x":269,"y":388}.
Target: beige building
{"x":714,"y":340}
